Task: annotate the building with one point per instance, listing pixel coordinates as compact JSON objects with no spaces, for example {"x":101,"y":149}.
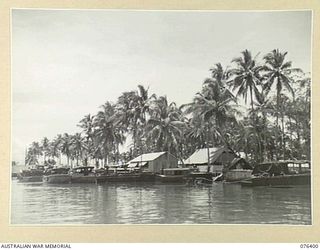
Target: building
{"x":239,"y":169}
{"x":218,"y":159}
{"x":153,"y":162}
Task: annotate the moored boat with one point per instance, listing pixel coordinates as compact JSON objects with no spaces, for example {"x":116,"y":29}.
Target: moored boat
{"x":281,"y":180}
{"x":57,"y":176}
{"x":123,"y":175}
{"x":283,"y":173}
{"x":173,"y":175}
{"x":83,"y":175}
{"x":34,"y":174}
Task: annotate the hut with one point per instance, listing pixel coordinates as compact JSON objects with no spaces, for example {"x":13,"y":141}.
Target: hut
{"x":154,"y":162}
{"x":238,"y":169}
{"x":218,"y":159}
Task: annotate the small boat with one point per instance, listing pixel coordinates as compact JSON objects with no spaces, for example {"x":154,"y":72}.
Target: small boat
{"x":83,"y":175}
{"x":34,"y":174}
{"x":283,"y":173}
{"x":195,"y":176}
{"x":200,"y":182}
{"x":57,"y":176}
{"x":173,"y":175}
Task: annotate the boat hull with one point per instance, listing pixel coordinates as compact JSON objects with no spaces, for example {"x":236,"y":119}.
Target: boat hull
{"x":83,"y":179}
{"x":285,"y":180}
{"x":126,"y":178}
{"x":37,"y":178}
{"x":171,"y":178}
{"x":57,"y":179}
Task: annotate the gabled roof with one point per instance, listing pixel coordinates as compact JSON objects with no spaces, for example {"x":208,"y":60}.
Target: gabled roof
{"x":200,"y":156}
{"x":147,"y":157}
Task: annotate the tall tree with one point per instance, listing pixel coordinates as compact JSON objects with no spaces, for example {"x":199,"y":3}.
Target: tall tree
{"x":278,"y":72}
{"x":108,"y":136}
{"x":66,"y":147}
{"x":246,"y":77}
{"x":45,"y":145}
{"x":213,"y":105}
{"x":33,"y":153}
{"x":54,"y":148}
{"x":132,"y":114}
{"x":87,"y":125}
{"x":78,"y":146}
{"x":164,"y":129}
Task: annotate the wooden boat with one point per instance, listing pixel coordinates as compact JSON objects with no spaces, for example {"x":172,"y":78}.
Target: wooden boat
{"x":286,"y":180}
{"x":83,"y":175}
{"x":173,"y":175}
{"x":284,"y":173}
{"x":34,"y":174}
{"x":57,"y":176}
{"x":126,"y":176}
{"x":195,"y":177}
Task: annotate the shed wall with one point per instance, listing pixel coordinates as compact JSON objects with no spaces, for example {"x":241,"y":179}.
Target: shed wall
{"x":164,"y":161}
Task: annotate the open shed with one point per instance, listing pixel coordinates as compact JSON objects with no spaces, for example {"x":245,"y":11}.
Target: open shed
{"x":218,"y":159}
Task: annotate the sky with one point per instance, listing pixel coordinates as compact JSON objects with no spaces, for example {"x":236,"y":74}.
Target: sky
{"x":67,"y":63}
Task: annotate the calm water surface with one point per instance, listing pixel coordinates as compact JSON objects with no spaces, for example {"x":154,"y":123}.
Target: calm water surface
{"x":38,"y":203}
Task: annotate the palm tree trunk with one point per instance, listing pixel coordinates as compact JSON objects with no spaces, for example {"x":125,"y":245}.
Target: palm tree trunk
{"x":252,"y":109}
{"x":277,"y":124}
{"x":282,"y":138}
{"x":208,"y":148}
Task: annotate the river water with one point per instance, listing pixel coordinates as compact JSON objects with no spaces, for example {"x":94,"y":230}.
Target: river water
{"x":143,"y":203}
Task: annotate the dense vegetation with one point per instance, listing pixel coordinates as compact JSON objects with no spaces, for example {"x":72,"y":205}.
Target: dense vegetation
{"x":275,"y":124}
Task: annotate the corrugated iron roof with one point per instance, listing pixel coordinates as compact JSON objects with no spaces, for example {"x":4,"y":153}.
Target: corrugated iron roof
{"x":147,"y":157}
{"x":200,"y":156}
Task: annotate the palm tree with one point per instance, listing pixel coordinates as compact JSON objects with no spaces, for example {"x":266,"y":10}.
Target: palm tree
{"x":33,"y":152}
{"x":164,"y":129}
{"x":196,"y":132}
{"x":87,"y":125}
{"x":132,"y":110}
{"x":263,"y":108}
{"x":66,"y":146}
{"x":54,"y":148}
{"x":213,"y":105}
{"x":277,"y":72}
{"x":78,"y":146}
{"x":246,"y":77}
{"x":220,"y":75}
{"x":45,"y":143}
{"x":108,"y":135}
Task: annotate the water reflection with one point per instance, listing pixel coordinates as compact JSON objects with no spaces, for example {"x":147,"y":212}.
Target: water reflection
{"x":158,"y":204}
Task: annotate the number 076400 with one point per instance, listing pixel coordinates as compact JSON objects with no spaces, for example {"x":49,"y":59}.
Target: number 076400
{"x":308,"y":245}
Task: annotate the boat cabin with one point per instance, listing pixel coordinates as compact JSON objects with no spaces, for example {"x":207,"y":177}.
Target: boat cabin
{"x":299,"y":167}
{"x":282,"y":167}
{"x":37,"y":170}
{"x":51,"y":171}
{"x":83,"y":171}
